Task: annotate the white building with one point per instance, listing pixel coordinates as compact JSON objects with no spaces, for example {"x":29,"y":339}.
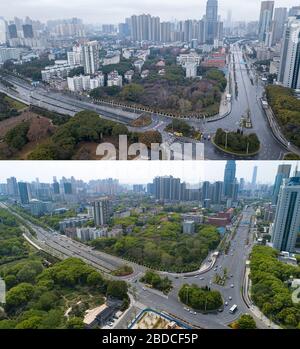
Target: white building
{"x":111,"y":59}
{"x":289,"y":71}
{"x":139,"y":64}
{"x":85,"y":82}
{"x":9,"y":53}
{"x":60,"y":70}
{"x":129,"y":75}
{"x":114,"y":79}
{"x":90,"y":57}
{"x":74,"y":57}
{"x":186,"y":58}
{"x":191,"y":70}
{"x":87,"y":234}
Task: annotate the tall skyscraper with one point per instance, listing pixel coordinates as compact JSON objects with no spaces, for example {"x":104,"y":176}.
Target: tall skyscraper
{"x":211,"y":20}
{"x":294,"y":11}
{"x":289,"y":71}
{"x":12,"y":187}
{"x":101,"y":209}
{"x":28,"y":31}
{"x":282,"y":173}
{"x":280,"y":18}
{"x":265,"y":19}
{"x":90,"y":57}
{"x":229,"y":178}
{"x":23,"y":191}
{"x":287,"y":217}
{"x":12,"y":31}
{"x":254,"y":176}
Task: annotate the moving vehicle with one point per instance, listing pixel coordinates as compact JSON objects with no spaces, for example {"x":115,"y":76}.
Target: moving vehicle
{"x":233,"y":309}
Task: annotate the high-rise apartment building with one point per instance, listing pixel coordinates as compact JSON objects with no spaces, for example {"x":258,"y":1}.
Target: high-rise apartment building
{"x":287,"y":218}
{"x":90,"y":57}
{"x":101,"y":211}
{"x":289,"y":70}
{"x":265,"y":20}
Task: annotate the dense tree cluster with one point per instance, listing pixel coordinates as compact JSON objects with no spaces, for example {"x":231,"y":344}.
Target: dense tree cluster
{"x":31,"y":69}
{"x":17,"y":136}
{"x":202,"y":299}
{"x":245,"y":322}
{"x":286,"y":107}
{"x":161,"y":245}
{"x":270,"y":290}
{"x":171,"y":92}
{"x":56,"y":118}
{"x":38,"y":297}
{"x":6,"y":109}
{"x":157,"y":282}
{"x":237,"y":141}
{"x":86,"y":126}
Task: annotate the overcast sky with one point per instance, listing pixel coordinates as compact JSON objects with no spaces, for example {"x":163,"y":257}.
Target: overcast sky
{"x":114,"y":11}
{"x":129,"y":172}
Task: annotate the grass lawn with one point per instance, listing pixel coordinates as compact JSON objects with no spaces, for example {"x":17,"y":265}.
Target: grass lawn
{"x":15,"y":104}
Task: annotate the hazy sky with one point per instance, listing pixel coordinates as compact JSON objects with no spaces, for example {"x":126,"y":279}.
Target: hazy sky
{"x":114,"y":11}
{"x":129,"y":172}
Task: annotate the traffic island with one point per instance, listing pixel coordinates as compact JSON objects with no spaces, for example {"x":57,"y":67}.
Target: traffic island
{"x":228,"y":142}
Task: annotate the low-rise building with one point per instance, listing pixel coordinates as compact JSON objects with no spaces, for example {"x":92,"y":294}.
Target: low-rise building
{"x":114,"y":79}
{"x":129,"y":75}
{"x":188,"y":227}
{"x":111,"y":58}
{"x":88,"y":234}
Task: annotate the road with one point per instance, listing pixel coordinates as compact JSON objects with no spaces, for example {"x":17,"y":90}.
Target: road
{"x":234,"y":262}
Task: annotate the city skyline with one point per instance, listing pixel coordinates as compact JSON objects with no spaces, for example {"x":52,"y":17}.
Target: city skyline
{"x":168,"y":10}
{"x":192,"y":172}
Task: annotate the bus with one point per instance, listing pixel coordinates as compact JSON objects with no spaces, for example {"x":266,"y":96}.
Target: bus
{"x":233,"y":309}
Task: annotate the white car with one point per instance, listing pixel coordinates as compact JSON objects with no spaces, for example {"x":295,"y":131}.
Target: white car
{"x":232,"y":285}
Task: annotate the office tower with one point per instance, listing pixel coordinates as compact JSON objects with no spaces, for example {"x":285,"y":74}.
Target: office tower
{"x":254,"y":176}
{"x":12,"y":31}
{"x":282,"y":173}
{"x":265,"y":19}
{"x":3,"y":31}
{"x":217,"y":192}
{"x":287,"y":218}
{"x":229,"y":178}
{"x":205,"y":190}
{"x":68,"y":188}
{"x":289,"y":70}
{"x":90,"y":57}
{"x":28,"y":31}
{"x":242,"y":184}
{"x":12,"y":187}
{"x":211,"y":20}
{"x":55,"y":188}
{"x":280,"y":18}
{"x":23,"y":192}
{"x":101,"y":209}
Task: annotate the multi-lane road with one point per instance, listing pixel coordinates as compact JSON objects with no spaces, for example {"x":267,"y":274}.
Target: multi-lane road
{"x":234,"y":262}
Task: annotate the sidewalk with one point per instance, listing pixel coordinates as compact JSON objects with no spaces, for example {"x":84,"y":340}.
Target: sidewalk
{"x":253,"y":308}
